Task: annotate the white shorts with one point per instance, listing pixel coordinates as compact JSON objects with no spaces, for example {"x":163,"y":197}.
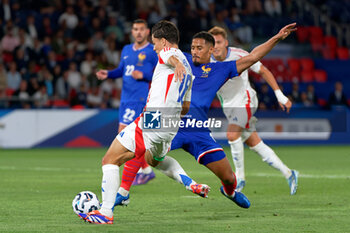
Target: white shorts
{"x":133,"y":138}
{"x":241,"y":114}
{"x":252,"y":128}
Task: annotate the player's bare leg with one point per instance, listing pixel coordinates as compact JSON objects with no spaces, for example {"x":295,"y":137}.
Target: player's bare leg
{"x":115,"y":156}
{"x":269,"y":156}
{"x":222,"y":169}
{"x":237,"y":151}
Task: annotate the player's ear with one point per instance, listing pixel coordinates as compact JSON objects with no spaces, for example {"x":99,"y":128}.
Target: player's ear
{"x":226,"y":43}
{"x":211,"y":49}
{"x":163,"y":41}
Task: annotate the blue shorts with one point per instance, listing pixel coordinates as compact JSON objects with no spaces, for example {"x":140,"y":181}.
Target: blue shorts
{"x":129,"y":111}
{"x":201,"y":145}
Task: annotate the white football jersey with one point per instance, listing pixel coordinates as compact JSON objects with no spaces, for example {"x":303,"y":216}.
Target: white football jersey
{"x":164,"y":91}
{"x":233,"y":92}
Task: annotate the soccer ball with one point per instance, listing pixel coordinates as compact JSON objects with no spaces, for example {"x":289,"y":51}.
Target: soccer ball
{"x":85,"y":202}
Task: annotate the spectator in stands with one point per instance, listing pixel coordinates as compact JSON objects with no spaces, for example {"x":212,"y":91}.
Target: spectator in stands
{"x":74,"y":77}
{"x":265,"y":97}
{"x":254,"y":7}
{"x":305,"y":101}
{"x":30,"y":27}
{"x":94,"y":100}
{"x":220,"y":17}
{"x":88,"y":64}
{"x":22,"y":97}
{"x":311,"y":95}
{"x":82,"y":95}
{"x":13,"y":77}
{"x":337,"y":97}
{"x":295,"y":94}
{"x":273,"y":7}
{"x":113,"y":55}
{"x":6,"y":13}
{"x":3,"y":77}
{"x":106,"y":101}
{"x":62,"y":85}
{"x":10,"y":41}
{"x":41,"y":98}
{"x":114,"y":28}
{"x":68,"y":19}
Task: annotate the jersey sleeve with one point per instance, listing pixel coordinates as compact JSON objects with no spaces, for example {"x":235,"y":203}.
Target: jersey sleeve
{"x":232,"y":67}
{"x":117,"y":72}
{"x":256,"y":67}
{"x":188,"y":94}
{"x":165,"y":54}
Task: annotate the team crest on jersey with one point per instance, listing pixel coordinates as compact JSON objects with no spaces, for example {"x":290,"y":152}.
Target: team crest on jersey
{"x":206,"y":71}
{"x":141,"y":57}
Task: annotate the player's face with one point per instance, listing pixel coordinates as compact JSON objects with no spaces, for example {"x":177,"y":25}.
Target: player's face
{"x":140,"y":32}
{"x":158,"y":44}
{"x":201,"y":51}
{"x":220,"y":49}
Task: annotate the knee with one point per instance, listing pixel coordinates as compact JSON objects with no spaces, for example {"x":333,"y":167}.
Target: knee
{"x":233,"y":136}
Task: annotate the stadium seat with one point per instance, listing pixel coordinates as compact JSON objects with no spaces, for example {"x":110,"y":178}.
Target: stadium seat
{"x":315,"y":32}
{"x":322,"y":102}
{"x":316,"y":44}
{"x":9,"y":92}
{"x":60,"y":104}
{"x":307,"y":76}
{"x":330,"y":42}
{"x":328,"y":53}
{"x":302,"y":34}
{"x":307,"y":64}
{"x":320,"y":76}
{"x":294,"y":65}
{"x":343,"y":53}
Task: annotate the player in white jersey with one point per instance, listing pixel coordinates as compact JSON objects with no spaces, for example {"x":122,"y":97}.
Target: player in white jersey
{"x":239,"y":102}
{"x":170,"y":90}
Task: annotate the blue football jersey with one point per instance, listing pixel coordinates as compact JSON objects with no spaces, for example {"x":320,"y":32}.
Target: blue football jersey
{"x":208,"y":80}
{"x":144,"y":59}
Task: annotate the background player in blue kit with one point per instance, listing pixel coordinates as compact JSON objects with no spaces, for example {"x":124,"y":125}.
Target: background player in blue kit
{"x":209,"y":77}
{"x":138,"y":61}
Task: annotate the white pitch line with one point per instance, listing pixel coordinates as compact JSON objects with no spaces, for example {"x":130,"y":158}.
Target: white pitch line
{"x":59,"y":169}
{"x":302,"y":176}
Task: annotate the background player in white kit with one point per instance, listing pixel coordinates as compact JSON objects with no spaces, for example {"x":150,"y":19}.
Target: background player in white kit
{"x":239,"y":103}
{"x":170,"y":89}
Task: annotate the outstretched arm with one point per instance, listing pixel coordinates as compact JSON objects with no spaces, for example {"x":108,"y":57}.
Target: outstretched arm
{"x":180,"y":70}
{"x":283,"y":101}
{"x":263,"y":49}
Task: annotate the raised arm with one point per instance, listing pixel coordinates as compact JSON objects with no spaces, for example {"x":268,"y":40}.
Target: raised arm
{"x":180,"y":70}
{"x":263,"y":49}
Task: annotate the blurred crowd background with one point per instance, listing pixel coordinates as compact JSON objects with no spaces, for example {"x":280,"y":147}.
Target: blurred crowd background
{"x":50,"y":50}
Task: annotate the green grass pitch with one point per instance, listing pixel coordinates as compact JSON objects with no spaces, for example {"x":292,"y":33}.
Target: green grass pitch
{"x":37,"y":187}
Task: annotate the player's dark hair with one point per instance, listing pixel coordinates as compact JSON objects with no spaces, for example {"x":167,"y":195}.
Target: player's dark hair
{"x":167,"y":30}
{"x":140,"y":21}
{"x":205,"y":36}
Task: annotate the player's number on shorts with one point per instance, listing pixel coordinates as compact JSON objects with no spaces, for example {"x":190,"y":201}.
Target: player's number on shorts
{"x":184,"y":86}
{"x":129,"y":114}
{"x":129,"y":69}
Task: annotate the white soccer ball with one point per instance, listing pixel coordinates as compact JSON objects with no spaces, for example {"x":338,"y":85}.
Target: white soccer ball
{"x":85,"y":202}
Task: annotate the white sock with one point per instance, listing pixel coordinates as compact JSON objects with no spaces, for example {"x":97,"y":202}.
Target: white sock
{"x":147,"y":170}
{"x":269,"y":157}
{"x":123,"y":191}
{"x":110,"y":184}
{"x":170,"y":167}
{"x":237,"y":151}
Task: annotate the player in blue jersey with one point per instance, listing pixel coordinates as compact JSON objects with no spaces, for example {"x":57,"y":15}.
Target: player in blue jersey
{"x":195,"y":138}
{"x":138,"y":61}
